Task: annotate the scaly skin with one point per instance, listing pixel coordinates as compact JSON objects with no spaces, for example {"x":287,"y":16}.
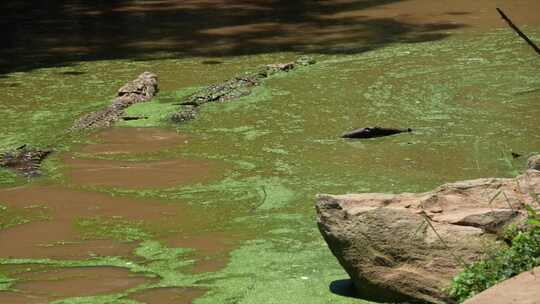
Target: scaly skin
{"x":141,"y":89}
{"x":233,"y":88}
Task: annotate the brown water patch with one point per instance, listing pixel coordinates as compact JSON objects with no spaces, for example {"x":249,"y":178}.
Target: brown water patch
{"x":56,"y":240}
{"x":58,"y":237}
{"x":12,"y":297}
{"x":131,"y":174}
{"x":471,"y":15}
{"x":134,"y":141}
{"x":211,"y":248}
{"x":168,"y":295}
{"x":40,"y":287}
{"x":137,"y":174}
{"x":174,"y":223}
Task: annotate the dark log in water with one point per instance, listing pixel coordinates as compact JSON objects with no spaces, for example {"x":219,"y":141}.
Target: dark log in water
{"x":142,"y":89}
{"x":371,"y":132}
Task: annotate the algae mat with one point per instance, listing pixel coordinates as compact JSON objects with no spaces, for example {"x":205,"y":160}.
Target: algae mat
{"x":246,"y":232}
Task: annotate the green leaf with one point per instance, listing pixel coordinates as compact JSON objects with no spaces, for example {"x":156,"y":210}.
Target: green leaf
{"x":531,"y":211}
{"x":534,"y":222}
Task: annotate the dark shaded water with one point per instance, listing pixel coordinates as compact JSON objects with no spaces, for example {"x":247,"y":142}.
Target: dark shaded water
{"x":58,"y":33}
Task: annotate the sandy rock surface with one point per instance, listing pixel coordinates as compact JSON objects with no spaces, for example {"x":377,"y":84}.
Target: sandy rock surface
{"x":409,"y":246}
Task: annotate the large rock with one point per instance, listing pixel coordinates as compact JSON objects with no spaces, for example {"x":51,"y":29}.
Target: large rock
{"x":408,"y":247}
{"x":521,"y":289}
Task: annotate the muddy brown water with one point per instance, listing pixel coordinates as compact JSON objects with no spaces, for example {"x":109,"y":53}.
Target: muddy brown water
{"x":57,"y":237}
{"x":118,"y":141}
{"x":129,"y":174}
{"x":166,"y":173}
{"x":212,"y":248}
{"x":45,"y":286}
{"x":51,"y":238}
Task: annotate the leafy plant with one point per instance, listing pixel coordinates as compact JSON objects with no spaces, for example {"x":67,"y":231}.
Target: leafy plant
{"x":523,"y":254}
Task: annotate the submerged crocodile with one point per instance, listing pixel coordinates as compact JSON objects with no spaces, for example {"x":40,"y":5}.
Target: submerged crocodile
{"x":142,"y":89}
{"x":234,"y":88}
{"x":24,"y":160}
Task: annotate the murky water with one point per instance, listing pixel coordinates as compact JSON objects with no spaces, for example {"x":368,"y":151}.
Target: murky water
{"x":43,"y":285}
{"x":220,"y":210}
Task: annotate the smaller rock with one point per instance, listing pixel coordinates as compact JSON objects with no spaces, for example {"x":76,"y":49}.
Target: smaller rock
{"x":521,"y":289}
{"x":533,"y":163}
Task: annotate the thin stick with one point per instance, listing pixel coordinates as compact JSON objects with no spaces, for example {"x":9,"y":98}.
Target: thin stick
{"x":508,"y":201}
{"x":493,"y":198}
{"x":518,"y":31}
{"x":428,"y":221}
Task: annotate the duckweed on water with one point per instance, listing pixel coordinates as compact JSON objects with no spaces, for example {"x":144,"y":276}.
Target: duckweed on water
{"x":5,"y":282}
{"x":111,"y":228}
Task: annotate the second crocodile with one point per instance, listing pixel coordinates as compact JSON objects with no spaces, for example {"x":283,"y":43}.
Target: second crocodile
{"x":234,"y":88}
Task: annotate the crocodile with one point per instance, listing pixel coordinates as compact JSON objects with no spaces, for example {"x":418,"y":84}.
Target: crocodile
{"x":27,"y":161}
{"x":142,"y":89}
{"x":24,"y":160}
{"x":234,"y":88}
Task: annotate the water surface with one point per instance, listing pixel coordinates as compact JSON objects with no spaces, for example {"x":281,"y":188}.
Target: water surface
{"x":220,"y":210}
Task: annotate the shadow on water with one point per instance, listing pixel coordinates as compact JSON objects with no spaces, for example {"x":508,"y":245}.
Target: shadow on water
{"x":211,"y":62}
{"x":345,"y":288}
{"x":72,"y":73}
{"x":54,"y":33}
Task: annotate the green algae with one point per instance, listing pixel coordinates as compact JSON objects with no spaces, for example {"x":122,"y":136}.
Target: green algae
{"x":5,"y":282}
{"x":158,"y":261}
{"x":111,"y":228}
{"x":157,"y":112}
{"x":8,"y":177}
{"x":256,"y":274}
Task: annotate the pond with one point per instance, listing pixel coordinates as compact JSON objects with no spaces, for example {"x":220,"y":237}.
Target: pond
{"x":221,"y":209}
